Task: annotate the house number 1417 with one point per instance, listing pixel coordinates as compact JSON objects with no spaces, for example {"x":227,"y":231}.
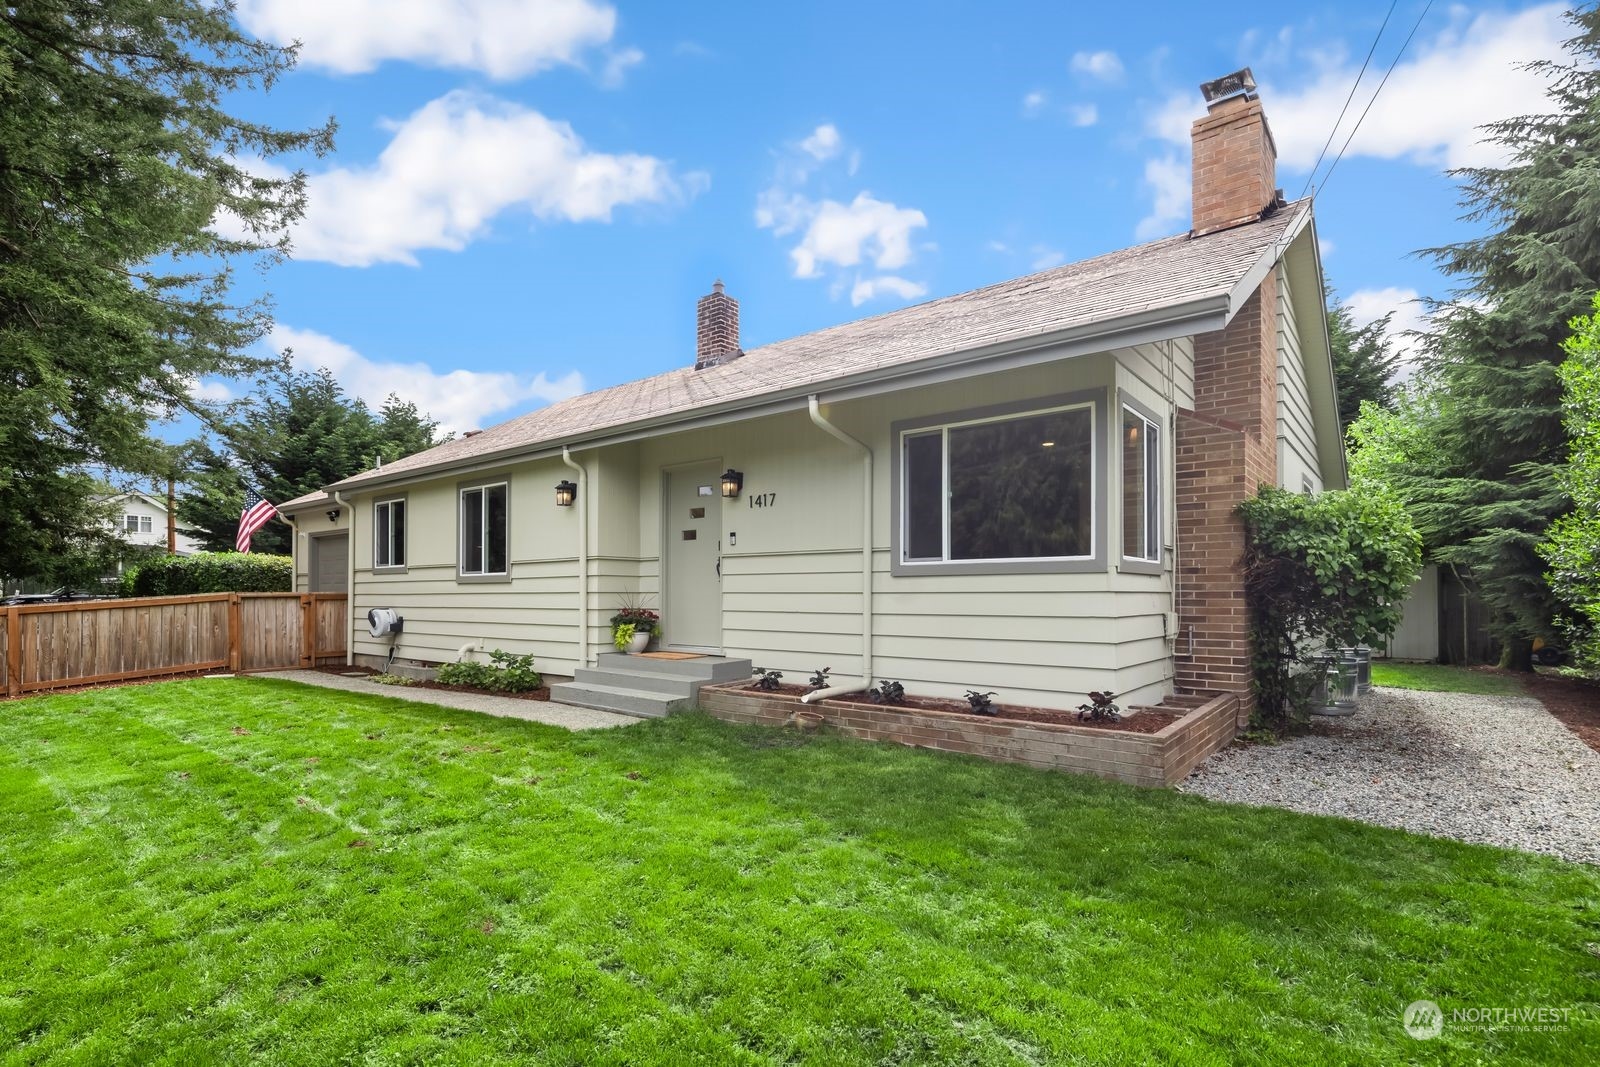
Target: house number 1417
{"x":762,"y":500}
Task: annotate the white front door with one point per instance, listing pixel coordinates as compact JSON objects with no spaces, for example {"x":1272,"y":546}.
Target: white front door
{"x":692,"y":527}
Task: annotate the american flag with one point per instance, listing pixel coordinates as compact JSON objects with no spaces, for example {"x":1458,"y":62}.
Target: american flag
{"x":256,"y":514}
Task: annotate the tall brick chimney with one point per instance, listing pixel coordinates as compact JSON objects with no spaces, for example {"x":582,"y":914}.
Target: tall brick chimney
{"x":1235,"y":159}
{"x":1227,"y":444}
{"x":717,"y":329}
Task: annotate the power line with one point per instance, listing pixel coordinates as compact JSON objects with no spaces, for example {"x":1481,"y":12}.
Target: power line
{"x":1352,"y":95}
{"x":1334,"y":165}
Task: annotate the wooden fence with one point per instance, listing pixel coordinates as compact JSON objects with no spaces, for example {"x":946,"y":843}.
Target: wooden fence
{"x":47,"y":646}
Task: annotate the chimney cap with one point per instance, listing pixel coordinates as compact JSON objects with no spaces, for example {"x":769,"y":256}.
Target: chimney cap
{"x":1240,"y":82}
{"x":716,"y":286}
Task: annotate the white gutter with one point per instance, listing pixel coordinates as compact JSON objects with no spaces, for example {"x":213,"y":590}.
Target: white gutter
{"x":866,"y":554}
{"x":349,"y":581}
{"x":583,"y":555}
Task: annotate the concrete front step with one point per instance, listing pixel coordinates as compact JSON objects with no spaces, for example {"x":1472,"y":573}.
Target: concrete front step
{"x":643,"y":686}
{"x":645,"y":703}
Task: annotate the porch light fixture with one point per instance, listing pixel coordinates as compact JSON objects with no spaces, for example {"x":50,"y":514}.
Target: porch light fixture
{"x":333,"y":516}
{"x":566,"y":493}
{"x":732,"y":482}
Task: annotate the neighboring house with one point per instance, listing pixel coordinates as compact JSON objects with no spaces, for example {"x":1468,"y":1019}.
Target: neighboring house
{"x":141,"y":519}
{"x":1027,"y":488}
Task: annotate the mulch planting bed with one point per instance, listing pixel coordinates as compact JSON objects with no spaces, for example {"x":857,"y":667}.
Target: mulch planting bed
{"x":542,"y":693}
{"x":1146,"y":722}
{"x":1572,"y":700}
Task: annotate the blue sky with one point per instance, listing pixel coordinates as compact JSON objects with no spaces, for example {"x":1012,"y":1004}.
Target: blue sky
{"x":527,"y":198}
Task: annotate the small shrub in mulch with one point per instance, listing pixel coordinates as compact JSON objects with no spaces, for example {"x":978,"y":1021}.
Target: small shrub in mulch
{"x":1146,"y":722}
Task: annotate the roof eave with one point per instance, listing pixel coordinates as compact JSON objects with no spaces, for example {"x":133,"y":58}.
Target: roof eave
{"x":1141,"y":327}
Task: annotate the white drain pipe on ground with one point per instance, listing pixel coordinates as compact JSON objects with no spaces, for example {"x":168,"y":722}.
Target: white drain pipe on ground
{"x":866,"y":557}
{"x":583,"y":554}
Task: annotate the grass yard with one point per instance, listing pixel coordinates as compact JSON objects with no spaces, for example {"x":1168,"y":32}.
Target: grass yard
{"x":251,"y":871}
{"x":1437,"y":678}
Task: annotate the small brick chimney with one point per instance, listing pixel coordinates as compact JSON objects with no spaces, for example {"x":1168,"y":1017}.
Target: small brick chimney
{"x":1235,"y":159}
{"x":717,"y":329}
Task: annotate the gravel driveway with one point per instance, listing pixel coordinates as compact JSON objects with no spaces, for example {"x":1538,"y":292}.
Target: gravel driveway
{"x":1494,"y":769}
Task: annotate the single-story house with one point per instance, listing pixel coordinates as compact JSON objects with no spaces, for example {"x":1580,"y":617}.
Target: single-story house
{"x":1027,"y":488}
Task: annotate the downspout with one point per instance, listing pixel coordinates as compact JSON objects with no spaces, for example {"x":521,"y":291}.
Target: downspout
{"x":866,"y":557}
{"x":349,"y":581}
{"x":583,"y":554}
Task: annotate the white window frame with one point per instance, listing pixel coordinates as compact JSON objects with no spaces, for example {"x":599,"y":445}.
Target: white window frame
{"x":1152,"y":519}
{"x":141,"y":523}
{"x":944,"y":562}
{"x":378,"y":561}
{"x":481,"y":488}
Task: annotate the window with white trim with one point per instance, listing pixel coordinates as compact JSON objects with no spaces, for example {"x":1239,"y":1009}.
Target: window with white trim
{"x":1007,"y":488}
{"x":389,"y":533}
{"x":1141,"y":487}
{"x":484,"y":529}
{"x":137,"y":524}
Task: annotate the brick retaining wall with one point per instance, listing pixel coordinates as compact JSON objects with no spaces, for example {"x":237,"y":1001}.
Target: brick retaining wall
{"x":1158,"y":759}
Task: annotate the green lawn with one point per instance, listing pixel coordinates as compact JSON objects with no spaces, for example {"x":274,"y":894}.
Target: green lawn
{"x":250,"y":871}
{"x":1437,"y":678}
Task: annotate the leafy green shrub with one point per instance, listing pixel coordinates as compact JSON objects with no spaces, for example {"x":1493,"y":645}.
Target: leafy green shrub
{"x":209,"y":572}
{"x":504,"y":673}
{"x":1334,"y":567}
{"x":1572,"y":544}
{"x":392,"y":679}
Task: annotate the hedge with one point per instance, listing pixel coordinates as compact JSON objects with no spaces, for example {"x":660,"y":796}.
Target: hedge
{"x":209,"y":572}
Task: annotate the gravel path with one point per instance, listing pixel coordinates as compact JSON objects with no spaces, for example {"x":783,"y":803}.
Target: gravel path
{"x":1499,"y":770}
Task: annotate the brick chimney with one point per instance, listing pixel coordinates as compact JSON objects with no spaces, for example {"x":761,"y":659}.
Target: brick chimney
{"x":717,"y":329}
{"x":1226,"y":444}
{"x":1235,"y":159}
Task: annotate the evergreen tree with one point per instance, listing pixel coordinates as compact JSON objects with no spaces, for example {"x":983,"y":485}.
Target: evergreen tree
{"x":1498,"y":345}
{"x":297,"y":434}
{"x":115,"y":156}
{"x":1363,"y":360}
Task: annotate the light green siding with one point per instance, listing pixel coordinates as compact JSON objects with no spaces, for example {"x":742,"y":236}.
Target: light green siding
{"x":1298,"y":465}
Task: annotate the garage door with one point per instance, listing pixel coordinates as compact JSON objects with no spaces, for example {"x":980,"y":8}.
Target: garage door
{"x":330,"y":557}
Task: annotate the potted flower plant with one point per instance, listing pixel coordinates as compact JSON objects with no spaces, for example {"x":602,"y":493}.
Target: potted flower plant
{"x":641,"y":625}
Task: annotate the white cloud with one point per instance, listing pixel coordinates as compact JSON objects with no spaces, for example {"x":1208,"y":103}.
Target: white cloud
{"x":824,"y":142}
{"x":1083,"y":114}
{"x":456,"y":164}
{"x":502,"y":38}
{"x":209,"y":391}
{"x":1101,"y":66}
{"x":459,"y":399}
{"x":1431,"y":110}
{"x":617,"y":66}
{"x":835,"y":236}
{"x":1044,"y":258}
{"x":867,"y":288}
{"x":845,"y":235}
{"x":1034,"y":102}
{"x":1168,"y":180}
{"x":1410,"y":313}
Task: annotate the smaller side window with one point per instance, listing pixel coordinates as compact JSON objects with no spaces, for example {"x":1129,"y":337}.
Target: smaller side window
{"x":130,"y":523}
{"x":389,"y":533}
{"x":1141,"y":487}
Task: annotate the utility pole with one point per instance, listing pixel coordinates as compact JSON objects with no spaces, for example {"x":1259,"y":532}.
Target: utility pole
{"x":172,"y":516}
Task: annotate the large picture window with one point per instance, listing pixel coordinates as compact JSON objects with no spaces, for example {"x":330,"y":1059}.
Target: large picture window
{"x":1141,"y":487}
{"x":389,"y":533}
{"x":483,"y":530}
{"x":1016,"y":487}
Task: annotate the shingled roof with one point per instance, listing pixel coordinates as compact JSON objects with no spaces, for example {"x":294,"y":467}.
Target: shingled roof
{"x":1135,"y":281}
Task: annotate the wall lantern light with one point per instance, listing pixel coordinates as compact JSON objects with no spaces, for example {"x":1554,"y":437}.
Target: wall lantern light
{"x":333,"y":516}
{"x":566,"y":493}
{"x":732,"y":482}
